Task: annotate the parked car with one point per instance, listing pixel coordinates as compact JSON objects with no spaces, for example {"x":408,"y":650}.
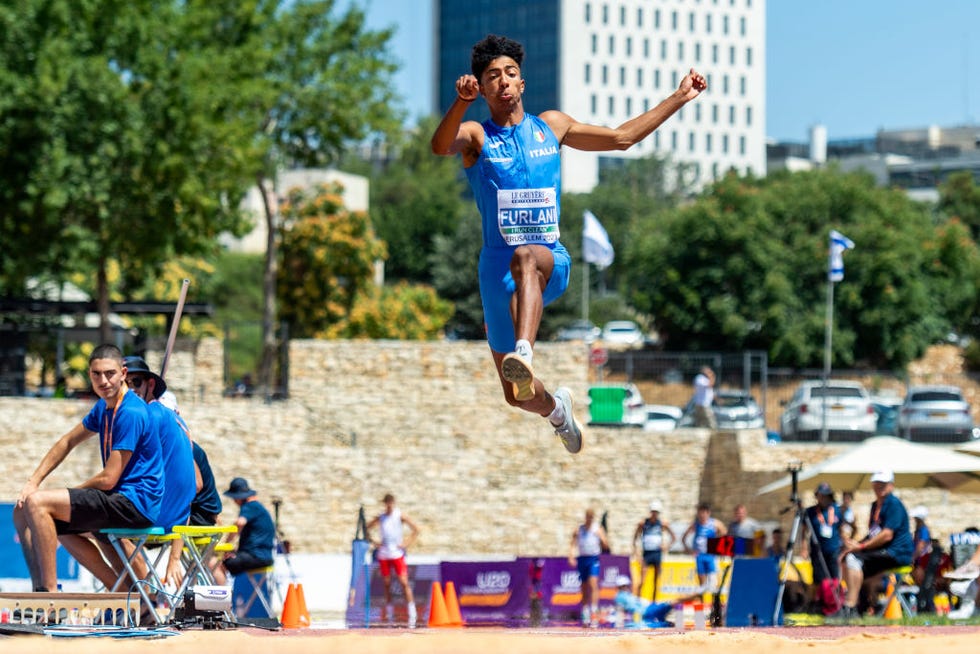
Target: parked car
{"x":622,"y":334}
{"x":935,"y":414}
{"x":580,"y":330}
{"x":733,"y":409}
{"x":660,"y":417}
{"x":845,"y":405}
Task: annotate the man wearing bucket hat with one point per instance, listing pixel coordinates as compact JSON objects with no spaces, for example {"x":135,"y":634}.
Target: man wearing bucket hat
{"x":256,"y":530}
{"x":887,"y":545}
{"x":823,"y":520}
{"x":654,"y":536}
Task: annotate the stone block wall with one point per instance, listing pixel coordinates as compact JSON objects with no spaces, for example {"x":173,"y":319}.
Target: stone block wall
{"x":427,"y":422}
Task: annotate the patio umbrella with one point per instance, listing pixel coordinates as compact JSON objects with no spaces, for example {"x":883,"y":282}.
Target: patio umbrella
{"x":915,"y":466}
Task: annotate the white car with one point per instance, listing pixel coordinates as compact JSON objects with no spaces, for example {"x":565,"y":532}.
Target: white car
{"x":845,"y":405}
{"x":622,"y":334}
{"x":660,"y":417}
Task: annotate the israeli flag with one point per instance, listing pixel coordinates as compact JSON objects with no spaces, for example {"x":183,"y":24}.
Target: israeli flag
{"x":596,"y":247}
{"x":838,"y":243}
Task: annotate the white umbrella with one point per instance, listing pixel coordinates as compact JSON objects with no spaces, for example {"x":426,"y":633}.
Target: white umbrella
{"x":915,"y":466}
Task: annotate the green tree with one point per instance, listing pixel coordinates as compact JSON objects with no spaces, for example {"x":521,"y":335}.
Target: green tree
{"x":745,"y":266}
{"x":959,"y":197}
{"x":116,"y":147}
{"x":416,"y":198}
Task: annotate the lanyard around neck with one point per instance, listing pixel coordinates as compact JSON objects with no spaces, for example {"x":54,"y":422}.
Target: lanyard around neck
{"x":109,"y":426}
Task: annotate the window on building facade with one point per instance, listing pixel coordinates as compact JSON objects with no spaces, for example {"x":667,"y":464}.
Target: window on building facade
{"x":714,"y":114}
{"x":629,"y":106}
{"x":646,"y":47}
{"x":748,"y":56}
{"x":715,"y":170}
{"x":707,"y":23}
{"x":673,"y":80}
{"x":731,"y":55}
{"x":605,"y":14}
{"x":595,"y":44}
{"x":673,"y":140}
{"x":707,"y":143}
{"x":714,"y":54}
{"x":697,"y":112}
{"x":690,"y":22}
{"x":611,"y":109}
{"x":646,"y":106}
{"x":741,"y":145}
{"x":588,"y":13}
{"x":673,"y":20}
{"x":593,"y":104}
{"x":622,"y":76}
{"x":724,"y":143}
{"x":680,"y":51}
{"x":639,"y":16}
{"x":741,"y":26}
{"x":697,"y":53}
{"x":656,"y":79}
{"x":742,"y":85}
{"x":748,"y":116}
{"x":691,"y":139}
{"x":656,"y":140}
{"x":605,"y":74}
{"x":724,"y":25}
{"x":656,"y":18}
{"x":639,"y":78}
{"x":724,"y":84}
{"x":612,"y":44}
{"x":629,"y":46}
{"x":731,"y":115}
{"x":663,"y":49}
{"x":622,"y":16}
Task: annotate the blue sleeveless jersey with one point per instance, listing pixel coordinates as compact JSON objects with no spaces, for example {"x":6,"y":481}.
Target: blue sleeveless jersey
{"x":517,"y":184}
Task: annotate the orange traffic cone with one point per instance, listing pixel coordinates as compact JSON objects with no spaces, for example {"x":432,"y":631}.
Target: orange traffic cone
{"x":893,"y":611}
{"x":452,"y":606}
{"x":438,"y":617}
{"x":304,"y":613}
{"x":290,"y":609}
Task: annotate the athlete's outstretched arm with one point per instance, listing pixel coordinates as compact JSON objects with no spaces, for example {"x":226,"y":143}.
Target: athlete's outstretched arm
{"x":453,"y":136}
{"x":582,"y":136}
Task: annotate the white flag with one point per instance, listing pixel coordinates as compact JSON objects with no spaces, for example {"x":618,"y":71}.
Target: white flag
{"x":838,"y":243}
{"x":596,"y":247}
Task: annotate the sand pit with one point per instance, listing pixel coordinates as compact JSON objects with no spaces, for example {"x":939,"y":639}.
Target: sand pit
{"x":839,"y":640}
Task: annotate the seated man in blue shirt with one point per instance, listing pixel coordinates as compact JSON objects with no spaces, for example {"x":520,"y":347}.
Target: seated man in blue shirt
{"x":256,"y":531}
{"x":888,"y":543}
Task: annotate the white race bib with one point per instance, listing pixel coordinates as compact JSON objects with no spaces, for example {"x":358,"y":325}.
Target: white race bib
{"x":527,"y":215}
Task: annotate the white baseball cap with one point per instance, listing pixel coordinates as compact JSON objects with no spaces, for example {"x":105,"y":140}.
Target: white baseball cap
{"x":919,"y":512}
{"x":884,"y":476}
{"x":656,"y":505}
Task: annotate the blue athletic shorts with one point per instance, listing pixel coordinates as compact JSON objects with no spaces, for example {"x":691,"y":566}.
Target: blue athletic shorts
{"x":705,"y":564}
{"x":497,"y":286}
{"x":588,"y":566}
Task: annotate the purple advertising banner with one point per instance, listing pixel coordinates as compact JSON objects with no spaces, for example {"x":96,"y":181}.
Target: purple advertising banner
{"x":561,"y":587}
{"x":490,"y":592}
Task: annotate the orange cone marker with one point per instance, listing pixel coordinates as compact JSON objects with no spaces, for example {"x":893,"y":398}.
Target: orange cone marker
{"x":290,"y":609}
{"x":452,"y":606}
{"x":438,"y":617}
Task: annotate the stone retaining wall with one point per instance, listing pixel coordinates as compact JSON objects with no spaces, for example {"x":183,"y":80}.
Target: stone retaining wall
{"x":426,"y":421}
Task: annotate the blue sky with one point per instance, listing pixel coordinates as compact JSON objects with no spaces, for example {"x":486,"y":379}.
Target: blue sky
{"x":852,"y":65}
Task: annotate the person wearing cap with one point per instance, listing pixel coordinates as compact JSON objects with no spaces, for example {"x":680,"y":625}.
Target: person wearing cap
{"x":823,"y":521}
{"x":256,"y":531}
{"x":125,"y":493}
{"x":391,"y":547}
{"x":653,"y":536}
{"x":887,"y":545}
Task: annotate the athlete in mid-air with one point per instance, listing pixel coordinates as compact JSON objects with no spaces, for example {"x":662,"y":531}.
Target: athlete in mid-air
{"x":514,"y":167}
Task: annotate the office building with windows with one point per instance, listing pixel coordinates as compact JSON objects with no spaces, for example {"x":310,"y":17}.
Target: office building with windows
{"x":606,"y":61}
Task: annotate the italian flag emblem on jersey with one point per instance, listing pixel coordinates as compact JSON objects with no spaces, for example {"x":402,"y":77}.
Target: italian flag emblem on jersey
{"x":539,"y":136}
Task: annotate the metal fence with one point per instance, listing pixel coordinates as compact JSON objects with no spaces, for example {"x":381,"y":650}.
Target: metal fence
{"x":667,"y":378}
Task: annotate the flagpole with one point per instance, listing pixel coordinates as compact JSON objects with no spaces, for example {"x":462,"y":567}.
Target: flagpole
{"x":585,"y":290}
{"x":827,"y":342}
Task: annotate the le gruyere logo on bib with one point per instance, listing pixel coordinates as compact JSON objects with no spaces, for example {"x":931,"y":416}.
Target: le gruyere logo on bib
{"x":527,"y":215}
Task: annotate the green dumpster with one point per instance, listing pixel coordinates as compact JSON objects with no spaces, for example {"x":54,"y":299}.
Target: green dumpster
{"x":606,"y":403}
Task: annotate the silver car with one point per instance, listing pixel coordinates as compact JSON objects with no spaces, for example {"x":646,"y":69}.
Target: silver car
{"x":935,"y":414}
{"x":845,"y":405}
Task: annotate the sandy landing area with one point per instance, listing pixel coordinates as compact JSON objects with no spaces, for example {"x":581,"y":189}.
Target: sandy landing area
{"x":839,"y":640}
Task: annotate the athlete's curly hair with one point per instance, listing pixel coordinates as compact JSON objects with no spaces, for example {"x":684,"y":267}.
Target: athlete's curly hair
{"x":490,"y":48}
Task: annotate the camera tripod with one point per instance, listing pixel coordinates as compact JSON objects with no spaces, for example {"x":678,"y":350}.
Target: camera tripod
{"x":799,"y":517}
